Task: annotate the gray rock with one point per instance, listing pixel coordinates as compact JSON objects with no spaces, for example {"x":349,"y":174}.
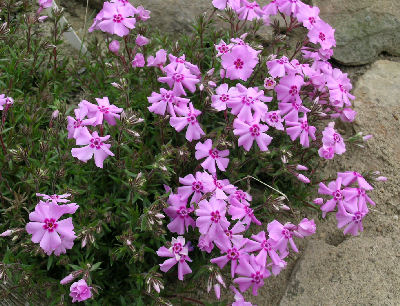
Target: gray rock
{"x":364,"y":28}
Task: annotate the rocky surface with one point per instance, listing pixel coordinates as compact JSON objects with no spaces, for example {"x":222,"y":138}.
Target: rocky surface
{"x":361,"y":270}
{"x":364,"y":28}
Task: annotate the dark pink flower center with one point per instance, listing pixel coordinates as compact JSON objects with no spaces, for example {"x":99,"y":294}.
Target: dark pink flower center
{"x":177,"y":248}
{"x":256,"y":277}
{"x":103,"y":109}
{"x":273,"y":117}
{"x":240,"y":195}
{"x":238,"y":64}
{"x":183,"y":212}
{"x":341,"y":87}
{"x":248,"y":100}
{"x":304,"y":125}
{"x":223,"y":49}
{"x":295,"y":105}
{"x":232,"y":254}
{"x":248,"y":211}
{"x":266,"y":245}
{"x":286,"y":233}
{"x":197,"y":186}
{"x":255,"y":130}
{"x":180,"y":60}
{"x":358,"y":216}
{"x":337,"y":195}
{"x":280,"y":61}
{"x":191,"y":118}
{"x":311,"y":20}
{"x":336,"y":137}
{"x":293,"y":90}
{"x":77,"y":123}
{"x":96,"y":143}
{"x":269,"y":83}
{"x":322,"y":36}
{"x":118,"y":18}
{"x":224,"y":97}
{"x":168,"y":97}
{"x":228,"y":233}
{"x":361,"y":192}
{"x":214,"y":153}
{"x":178,"y":77}
{"x":215,"y":216}
{"x":50,"y":224}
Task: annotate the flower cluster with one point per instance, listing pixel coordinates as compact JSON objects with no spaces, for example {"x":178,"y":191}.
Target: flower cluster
{"x":5,"y":102}
{"x":46,"y":228}
{"x":349,"y":198}
{"x":88,"y":114}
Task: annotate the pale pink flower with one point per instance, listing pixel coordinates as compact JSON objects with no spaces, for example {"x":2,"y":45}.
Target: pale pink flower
{"x":116,"y":19}
{"x":212,"y":155}
{"x":127,"y":6}
{"x":78,"y":124}
{"x":253,"y":274}
{"x":179,"y":214}
{"x":178,"y":253}
{"x":323,"y":34}
{"x":205,"y":244}
{"x":271,"y":8}
{"x":250,"y":132}
{"x":141,"y":40}
{"x":45,"y":3}
{"x":224,"y":95}
{"x":80,"y":291}
{"x":55,"y":198}
{"x":289,"y":88}
{"x":339,"y":88}
{"x":179,"y":77}
{"x":352,"y":217}
{"x":274,"y":119}
{"x":46,"y":228}
{"x":220,"y":4}
{"x":242,"y":211}
{"x":240,"y":62}
{"x":200,"y":184}
{"x":333,"y":189}
{"x":279,"y":67}
{"x":239,"y":299}
{"x":302,"y":129}
{"x":326,"y":152}
{"x":175,"y":61}
{"x":292,"y":109}
{"x":189,"y":119}
{"x":166,"y":100}
{"x":138,"y":61}
{"x":249,"y":10}
{"x":250,"y":106}
{"x":266,"y":247}
{"x":114,"y":46}
{"x":94,"y":146}
{"x":308,"y":16}
{"x":104,"y":110}
{"x":305,"y":228}
{"x":222,"y":187}
{"x":5,"y":102}
{"x":350,"y":177}
{"x":282,"y":235}
{"x":290,"y":7}
{"x":142,"y":13}
{"x":269,"y":83}
{"x":331,"y":138}
{"x":223,"y":48}
{"x":159,"y":60}
{"x":211,"y":219}
{"x":303,"y":178}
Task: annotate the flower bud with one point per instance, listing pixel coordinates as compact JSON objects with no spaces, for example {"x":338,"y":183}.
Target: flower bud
{"x":301,"y":168}
{"x":212,"y":84}
{"x":318,"y":201}
{"x":69,"y":278}
{"x":367,"y":137}
{"x":55,"y":114}
{"x":381,"y":179}
{"x":114,"y":46}
{"x":303,"y":178}
{"x":7,"y":233}
{"x":141,"y":40}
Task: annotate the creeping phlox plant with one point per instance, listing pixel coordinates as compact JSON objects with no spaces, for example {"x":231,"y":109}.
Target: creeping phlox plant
{"x":235,"y":103}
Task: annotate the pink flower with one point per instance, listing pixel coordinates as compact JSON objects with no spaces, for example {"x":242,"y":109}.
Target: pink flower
{"x":282,"y":235}
{"x":352,"y":195}
{"x":198,"y":185}
{"x":249,"y":11}
{"x":179,"y":214}
{"x":159,"y":60}
{"x":326,"y":152}
{"x":69,"y":278}
{"x":7,"y":101}
{"x":251,"y":131}
{"x":116,"y":19}
{"x":176,"y":61}
{"x":331,"y":138}
{"x":333,"y":189}
{"x":179,"y":255}
{"x":166,"y":100}
{"x":211,"y":219}
{"x":46,"y":228}
{"x":142,"y":13}
{"x":223,"y":48}
{"x":349,"y":177}
{"x":127,"y":6}
{"x":213,"y":156}
{"x":179,"y":77}
{"x":114,"y":46}
{"x":279,"y":67}
{"x":239,"y":299}
{"x":271,"y":8}
{"x":323,"y":34}
{"x":138,"y":61}
{"x":95,"y":146}
{"x":250,"y":106}
{"x":274,"y":119}
{"x":189,"y":119}
{"x":266,"y":247}
{"x":77,"y":125}
{"x":292,"y":109}
{"x":289,"y":7}
{"x":55,"y":198}
{"x":220,"y":4}
{"x":80,"y":291}
{"x":205,"y":244}
{"x":102,"y":111}
{"x":289,"y":87}
{"x":253,"y":274}
{"x":233,"y":252}
{"x":45,"y":3}
{"x":352,"y":217}
{"x":306,"y":228}
{"x":301,"y":129}
{"x":243,"y":212}
{"x":339,"y":88}
{"x":224,"y":95}
{"x":141,"y":40}
{"x":221,"y":188}
{"x":308,"y":16}
{"x":269,"y":83}
{"x":240,"y":62}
